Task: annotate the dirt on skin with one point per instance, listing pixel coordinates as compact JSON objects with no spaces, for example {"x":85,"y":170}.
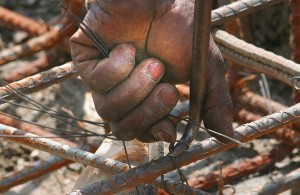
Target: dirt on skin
{"x":270,"y":31}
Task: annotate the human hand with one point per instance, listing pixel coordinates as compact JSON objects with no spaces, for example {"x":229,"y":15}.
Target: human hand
{"x":128,"y":96}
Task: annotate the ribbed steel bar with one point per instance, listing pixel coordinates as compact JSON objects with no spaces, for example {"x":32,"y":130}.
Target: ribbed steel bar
{"x":78,"y":155}
{"x":289,"y":181}
{"x":44,"y":62}
{"x":32,"y":172}
{"x":151,"y":170}
{"x":256,"y":103}
{"x":170,"y":186}
{"x":10,"y":121}
{"x":200,"y":47}
{"x":44,"y":41}
{"x":233,"y":27}
{"x":39,"y":81}
{"x":240,"y":169}
{"x":257,"y":59}
{"x":178,"y":188}
{"x":20,"y":22}
{"x":62,"y":150}
{"x":37,"y":170}
{"x":285,"y":134}
{"x":239,"y":8}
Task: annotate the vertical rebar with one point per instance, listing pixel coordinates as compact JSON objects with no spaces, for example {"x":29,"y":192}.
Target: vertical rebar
{"x":201,"y":39}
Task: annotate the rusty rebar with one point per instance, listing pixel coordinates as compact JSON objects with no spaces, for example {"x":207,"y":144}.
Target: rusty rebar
{"x":44,"y":41}
{"x":286,"y":182}
{"x":10,"y":121}
{"x":37,"y":170}
{"x":240,"y":169}
{"x":14,"y":20}
{"x":62,"y":150}
{"x":149,"y":171}
{"x":256,"y":103}
{"x":257,"y":59}
{"x":76,"y":155}
{"x":39,"y":81}
{"x":201,"y":40}
{"x":286,"y":134}
{"x":233,"y":27}
{"x":44,"y":62}
{"x":240,"y":8}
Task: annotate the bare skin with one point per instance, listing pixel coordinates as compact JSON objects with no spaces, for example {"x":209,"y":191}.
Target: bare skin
{"x":151,"y":42}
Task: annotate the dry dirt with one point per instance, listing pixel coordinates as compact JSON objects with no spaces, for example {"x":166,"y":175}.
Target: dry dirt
{"x":271,"y":33}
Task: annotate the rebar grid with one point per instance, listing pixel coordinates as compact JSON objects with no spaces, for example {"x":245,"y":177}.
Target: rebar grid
{"x":9,"y":121}
{"x":44,"y":41}
{"x":289,"y":181}
{"x":77,"y":155}
{"x":43,"y":62}
{"x":149,"y":171}
{"x":240,"y":8}
{"x":240,"y":169}
{"x":257,"y":59}
{"x":20,"y":22}
{"x":39,"y":81}
{"x":37,"y":170}
{"x":285,"y":134}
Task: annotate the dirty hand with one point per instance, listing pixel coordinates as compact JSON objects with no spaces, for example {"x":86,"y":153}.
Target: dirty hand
{"x":132,"y":89}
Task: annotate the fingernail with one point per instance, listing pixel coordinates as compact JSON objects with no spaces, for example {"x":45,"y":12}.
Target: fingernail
{"x":168,"y":97}
{"x":155,"y":71}
{"x":162,"y":136}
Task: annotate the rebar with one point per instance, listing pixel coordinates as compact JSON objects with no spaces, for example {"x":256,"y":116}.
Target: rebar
{"x":170,"y":186}
{"x":240,"y":169}
{"x":42,"y":63}
{"x":44,"y":41}
{"x":20,"y":22}
{"x":32,"y":172}
{"x":289,"y":181}
{"x":233,"y":27}
{"x":39,"y":81}
{"x":178,"y":188}
{"x":201,"y":41}
{"x":76,"y":155}
{"x":7,"y":120}
{"x":149,"y":171}
{"x":256,"y":103}
{"x":286,"y":134}
{"x":240,"y":8}
{"x":62,"y":150}
{"x":257,"y":59}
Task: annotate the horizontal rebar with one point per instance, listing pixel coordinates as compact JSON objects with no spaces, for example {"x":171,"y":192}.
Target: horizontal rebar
{"x":239,"y":8}
{"x":10,"y":121}
{"x":256,"y":59}
{"x":44,"y":41}
{"x":43,"y":62}
{"x":20,"y":22}
{"x":77,"y":155}
{"x":37,"y":170}
{"x":62,"y":150}
{"x":151,"y":170}
{"x":39,"y":81}
{"x":286,"y":182}
{"x":240,"y":169}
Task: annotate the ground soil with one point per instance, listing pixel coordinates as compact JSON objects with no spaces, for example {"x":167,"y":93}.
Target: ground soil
{"x":270,"y":31}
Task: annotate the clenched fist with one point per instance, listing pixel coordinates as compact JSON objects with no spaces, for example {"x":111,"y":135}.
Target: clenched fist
{"x":133,"y":88}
